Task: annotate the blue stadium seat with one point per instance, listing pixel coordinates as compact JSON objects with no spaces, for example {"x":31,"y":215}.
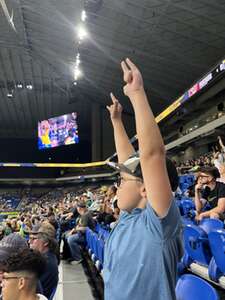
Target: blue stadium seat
{"x":53,"y":293}
{"x":217,"y":245}
{"x":185,"y":181}
{"x":196,"y":246}
{"x":97,"y":227}
{"x":186,"y":206}
{"x":187,"y":221}
{"x":100,"y":251}
{"x":190,"y":287}
{"x":103,"y":234}
{"x":209,"y":225}
{"x":95,"y":246}
{"x":88,"y":238}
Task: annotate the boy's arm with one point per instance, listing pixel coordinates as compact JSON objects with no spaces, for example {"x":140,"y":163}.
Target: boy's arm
{"x":221,"y":143}
{"x":151,"y":146}
{"x":124,"y":148}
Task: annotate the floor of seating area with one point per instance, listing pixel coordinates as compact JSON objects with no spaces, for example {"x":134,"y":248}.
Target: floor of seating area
{"x":73,"y":283}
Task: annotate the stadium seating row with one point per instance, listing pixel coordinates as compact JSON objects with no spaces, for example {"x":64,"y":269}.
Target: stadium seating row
{"x":204,"y":245}
{"x":95,"y":244}
{"x":188,"y":286}
{"x":185,"y":181}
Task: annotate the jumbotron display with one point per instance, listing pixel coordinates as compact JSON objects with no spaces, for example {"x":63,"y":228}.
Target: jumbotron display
{"x":58,"y":131}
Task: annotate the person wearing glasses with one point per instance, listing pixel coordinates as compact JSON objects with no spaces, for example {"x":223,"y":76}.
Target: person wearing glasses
{"x":209,"y":191}
{"x":143,"y":249}
{"x":22,"y":271}
{"x":43,"y":240}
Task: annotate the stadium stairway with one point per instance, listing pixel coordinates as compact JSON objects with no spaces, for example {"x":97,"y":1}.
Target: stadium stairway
{"x":73,"y":283}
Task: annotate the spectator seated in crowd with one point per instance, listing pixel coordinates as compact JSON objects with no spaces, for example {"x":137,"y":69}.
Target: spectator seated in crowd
{"x":109,"y":212}
{"x":76,"y":237}
{"x":22,"y":272}
{"x":72,"y":214}
{"x":209,"y":191}
{"x":43,"y":240}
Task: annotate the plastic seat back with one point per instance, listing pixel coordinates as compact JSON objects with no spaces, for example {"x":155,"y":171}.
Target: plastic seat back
{"x":209,"y":225}
{"x":196,"y":244}
{"x":186,"y":207}
{"x":217,"y":245}
{"x":190,"y":287}
{"x":100,"y":251}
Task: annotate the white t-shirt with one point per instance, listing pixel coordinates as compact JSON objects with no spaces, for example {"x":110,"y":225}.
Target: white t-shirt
{"x":41,"y":297}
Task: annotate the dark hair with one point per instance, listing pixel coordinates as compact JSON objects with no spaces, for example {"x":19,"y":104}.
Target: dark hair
{"x":113,"y":189}
{"x":81,"y":205}
{"x":212,"y":171}
{"x":27,"y":260}
{"x":172,"y":173}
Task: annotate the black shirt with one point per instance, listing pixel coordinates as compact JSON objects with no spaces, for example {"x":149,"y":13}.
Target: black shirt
{"x":213,"y":196}
{"x":75,"y":212}
{"x":86,"y":220}
{"x":49,"y":279}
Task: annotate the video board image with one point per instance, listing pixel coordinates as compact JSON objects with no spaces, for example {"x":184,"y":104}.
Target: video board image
{"x":58,"y":131}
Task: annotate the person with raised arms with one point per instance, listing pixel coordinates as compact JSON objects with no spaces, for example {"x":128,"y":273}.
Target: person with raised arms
{"x":142,"y":251}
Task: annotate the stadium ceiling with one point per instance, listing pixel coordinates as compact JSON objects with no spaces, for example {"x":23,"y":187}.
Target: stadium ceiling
{"x":173,"y":41}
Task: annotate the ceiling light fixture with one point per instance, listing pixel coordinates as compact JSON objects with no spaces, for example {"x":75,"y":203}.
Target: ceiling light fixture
{"x":29,"y":86}
{"x":83,"y":16}
{"x":78,"y":62}
{"x":82,"y":33}
{"x":77,"y":73}
{"x":19,"y":85}
{"x":10,"y":94}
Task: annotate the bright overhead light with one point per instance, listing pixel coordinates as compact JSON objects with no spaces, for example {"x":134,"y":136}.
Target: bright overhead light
{"x":74,"y":83}
{"x":83,"y":15}
{"x":19,"y":85}
{"x":29,"y":86}
{"x":9,"y":94}
{"x":77,"y":73}
{"x":78,"y":62}
{"x":82,"y":33}
{"x":78,"y":55}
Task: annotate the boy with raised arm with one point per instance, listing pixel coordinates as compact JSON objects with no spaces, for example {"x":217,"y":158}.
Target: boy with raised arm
{"x":143,"y":250}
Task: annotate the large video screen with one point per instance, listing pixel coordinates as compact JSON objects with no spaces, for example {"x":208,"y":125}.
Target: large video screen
{"x":58,"y":131}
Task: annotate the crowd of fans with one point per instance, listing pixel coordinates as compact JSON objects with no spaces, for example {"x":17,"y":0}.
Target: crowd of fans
{"x":39,"y":227}
{"x":210,"y":159}
{"x":30,"y":241}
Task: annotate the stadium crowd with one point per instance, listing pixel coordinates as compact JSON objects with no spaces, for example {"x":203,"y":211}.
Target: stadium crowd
{"x":30,"y":240}
{"x":40,"y":225}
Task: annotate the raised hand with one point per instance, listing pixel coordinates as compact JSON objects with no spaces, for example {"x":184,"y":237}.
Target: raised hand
{"x":199,"y":185}
{"x":115,"y":109}
{"x":132,"y":77}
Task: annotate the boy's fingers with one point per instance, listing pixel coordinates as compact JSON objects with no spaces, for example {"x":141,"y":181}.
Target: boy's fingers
{"x":131,"y":65}
{"x":114,"y":100}
{"x":124,"y":67}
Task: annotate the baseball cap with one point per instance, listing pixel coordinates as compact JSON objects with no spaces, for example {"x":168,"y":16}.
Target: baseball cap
{"x":44,"y":229}
{"x":132,"y":166}
{"x":10,"y":243}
